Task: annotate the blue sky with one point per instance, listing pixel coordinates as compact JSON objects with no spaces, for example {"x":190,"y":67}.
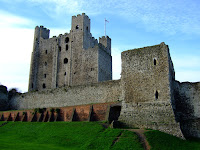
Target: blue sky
{"x":132,"y":24}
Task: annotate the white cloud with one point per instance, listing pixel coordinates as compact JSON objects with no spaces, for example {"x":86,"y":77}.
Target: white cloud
{"x":162,"y":16}
{"x":15,"y":48}
{"x":169,"y":16}
{"x":9,"y":20}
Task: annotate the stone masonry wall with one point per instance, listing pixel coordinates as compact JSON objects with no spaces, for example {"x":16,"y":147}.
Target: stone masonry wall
{"x":145,"y":74}
{"x":70,"y":96}
{"x":146,"y":89}
{"x":187,"y":107}
{"x":152,"y":115}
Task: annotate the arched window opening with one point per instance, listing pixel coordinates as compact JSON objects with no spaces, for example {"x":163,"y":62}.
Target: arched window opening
{"x":45,"y":75}
{"x":67,"y":47}
{"x":65,"y":73}
{"x":77,"y":26}
{"x":44,"y":86}
{"x":87,"y":28}
{"x":45,"y":63}
{"x":154,"y":61}
{"x":66,"y":40}
{"x":59,"y":48}
{"x":46,"y":51}
{"x":156,"y":95}
{"x":65,"y":61}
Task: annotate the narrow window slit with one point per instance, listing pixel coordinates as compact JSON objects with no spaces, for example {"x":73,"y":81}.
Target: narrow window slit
{"x":154,"y":61}
{"x":156,"y":95}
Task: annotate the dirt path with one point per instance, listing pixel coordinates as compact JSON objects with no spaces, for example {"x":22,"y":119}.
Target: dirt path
{"x":142,"y":137}
{"x":117,"y":139}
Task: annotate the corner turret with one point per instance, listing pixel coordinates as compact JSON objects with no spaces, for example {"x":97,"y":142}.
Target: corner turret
{"x":106,"y":41}
{"x":40,"y":32}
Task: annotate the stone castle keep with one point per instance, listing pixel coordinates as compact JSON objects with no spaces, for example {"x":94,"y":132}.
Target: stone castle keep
{"x":74,"y":58}
{"x":73,"y":72}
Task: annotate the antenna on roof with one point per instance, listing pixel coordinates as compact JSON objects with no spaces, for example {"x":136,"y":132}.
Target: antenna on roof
{"x":105,"y":26}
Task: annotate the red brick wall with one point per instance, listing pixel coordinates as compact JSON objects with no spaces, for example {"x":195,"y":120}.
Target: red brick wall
{"x":73,"y":113}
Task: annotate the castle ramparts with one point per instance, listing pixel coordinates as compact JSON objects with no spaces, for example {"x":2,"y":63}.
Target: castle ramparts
{"x":148,"y":93}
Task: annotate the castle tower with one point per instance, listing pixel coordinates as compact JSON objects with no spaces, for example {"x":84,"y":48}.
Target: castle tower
{"x":104,"y":58}
{"x":80,"y":30}
{"x":40,"y":33}
{"x":87,"y":61}
{"x":147,"y":75}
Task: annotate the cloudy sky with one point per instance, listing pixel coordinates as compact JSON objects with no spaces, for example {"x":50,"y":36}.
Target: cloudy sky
{"x":132,"y":24}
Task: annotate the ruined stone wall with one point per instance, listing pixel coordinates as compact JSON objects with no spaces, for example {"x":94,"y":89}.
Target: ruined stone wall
{"x":145,"y":74}
{"x":70,"y":96}
{"x":152,"y":115}
{"x":146,"y":94}
{"x":187,"y":107}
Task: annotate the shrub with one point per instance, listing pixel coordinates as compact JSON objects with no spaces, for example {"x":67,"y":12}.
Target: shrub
{"x":52,"y":110}
{"x":40,"y":110}
{"x":36,"y":110}
{"x":57,"y":110}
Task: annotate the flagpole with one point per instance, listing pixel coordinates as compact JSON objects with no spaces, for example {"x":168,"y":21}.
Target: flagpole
{"x":105,"y":27}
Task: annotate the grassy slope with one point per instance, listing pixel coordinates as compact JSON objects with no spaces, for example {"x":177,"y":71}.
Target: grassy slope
{"x":63,"y":135}
{"x":162,"y":141}
{"x":82,"y":135}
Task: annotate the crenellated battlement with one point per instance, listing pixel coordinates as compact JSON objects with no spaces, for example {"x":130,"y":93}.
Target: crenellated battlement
{"x":41,"y":32}
{"x":80,"y":15}
{"x":106,"y":42}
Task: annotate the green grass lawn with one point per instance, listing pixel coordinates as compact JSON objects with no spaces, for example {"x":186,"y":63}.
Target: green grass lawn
{"x":84,"y":136}
{"x":64,"y":135}
{"x":162,"y":141}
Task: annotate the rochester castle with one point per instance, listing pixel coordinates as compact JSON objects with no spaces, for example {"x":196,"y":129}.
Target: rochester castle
{"x":71,"y":80}
{"x":75,"y":58}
